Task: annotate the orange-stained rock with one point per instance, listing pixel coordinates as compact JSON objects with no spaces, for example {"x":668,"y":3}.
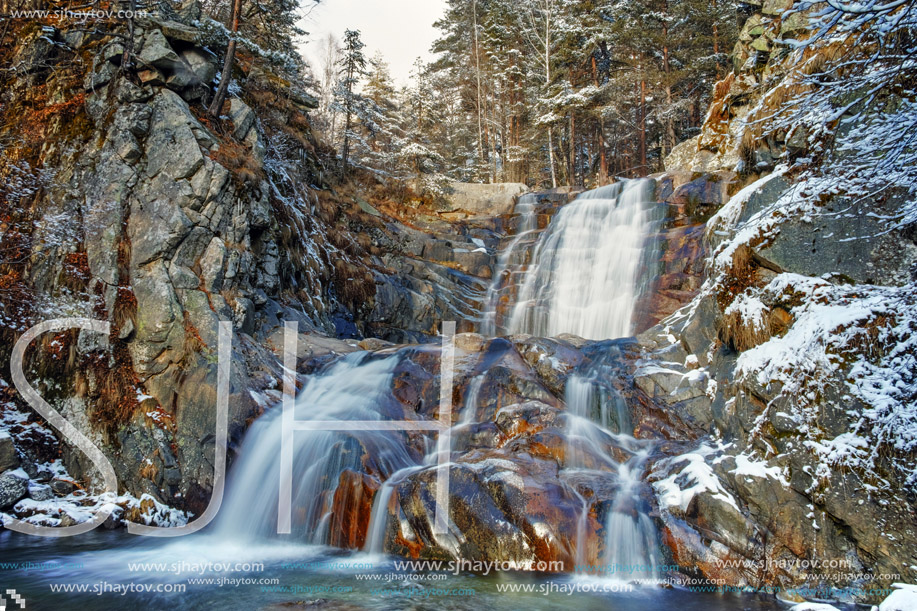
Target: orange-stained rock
{"x":351,"y":509}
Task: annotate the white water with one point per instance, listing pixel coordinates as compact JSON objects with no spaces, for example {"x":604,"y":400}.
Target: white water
{"x":354,"y":388}
{"x":631,"y":549}
{"x":585,"y":276}
{"x":470,"y":408}
{"x":378,"y":520}
{"x":612,"y":222}
{"x":503,"y":270}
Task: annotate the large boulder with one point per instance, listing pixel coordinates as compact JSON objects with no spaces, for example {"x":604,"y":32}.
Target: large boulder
{"x":13,"y":486}
{"x":8,"y":457}
{"x":484,"y":199}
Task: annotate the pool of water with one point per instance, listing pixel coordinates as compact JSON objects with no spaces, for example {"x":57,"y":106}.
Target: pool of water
{"x":114,"y":570}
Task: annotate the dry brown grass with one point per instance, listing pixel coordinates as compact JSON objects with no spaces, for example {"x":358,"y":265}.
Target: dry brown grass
{"x":76,"y":273}
{"x":716,"y":125}
{"x":240,"y":161}
{"x":786,"y":94}
{"x":116,"y":384}
{"x":740,"y":334}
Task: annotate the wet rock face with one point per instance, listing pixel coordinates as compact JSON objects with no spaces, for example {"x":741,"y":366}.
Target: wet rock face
{"x":691,"y":198}
{"x":504,"y":506}
{"x":351,"y":508}
{"x":514,"y":493}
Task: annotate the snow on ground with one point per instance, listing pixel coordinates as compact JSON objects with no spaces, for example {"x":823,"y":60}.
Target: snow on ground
{"x":78,"y":506}
{"x":902,"y":599}
{"x":813,"y":607}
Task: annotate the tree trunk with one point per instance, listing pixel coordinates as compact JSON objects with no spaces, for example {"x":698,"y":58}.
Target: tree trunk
{"x":551,"y":157}
{"x":477,"y":70}
{"x":642,"y":171}
{"x":603,"y":162}
{"x":669,"y":140}
{"x":572,"y":159}
{"x":345,"y":152}
{"x":216,"y":107}
{"x":129,"y":43}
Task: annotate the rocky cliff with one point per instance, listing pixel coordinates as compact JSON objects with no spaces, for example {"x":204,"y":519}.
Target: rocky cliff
{"x":803,"y":330}
{"x":124,"y":201}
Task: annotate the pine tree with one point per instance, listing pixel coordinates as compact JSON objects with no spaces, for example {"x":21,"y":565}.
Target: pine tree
{"x":352,"y":67}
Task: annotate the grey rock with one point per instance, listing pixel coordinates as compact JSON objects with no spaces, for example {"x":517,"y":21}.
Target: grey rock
{"x":201,"y":65}
{"x":181,"y":78}
{"x":126,"y":329}
{"x":134,"y":118}
{"x":9,"y":459}
{"x":113,"y":52}
{"x":157,"y":52}
{"x":157,"y":227}
{"x":13,"y":486}
{"x":244,"y":315}
{"x":172,"y":147}
{"x":846,"y":242}
{"x":101,"y":76}
{"x":128,"y":92}
{"x":242,"y":117}
{"x":176,"y":31}
{"x":191,"y":249}
{"x":30,"y":468}
{"x":62,"y":487}
{"x":41,"y":492}
{"x":160,"y":333}
{"x":182,"y":277}
{"x":484,"y":199}
{"x":212,"y":265}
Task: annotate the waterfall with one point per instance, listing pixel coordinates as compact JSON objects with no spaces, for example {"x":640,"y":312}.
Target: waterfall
{"x":585,"y":275}
{"x":503,"y":270}
{"x":470,"y":408}
{"x":355,"y":388}
{"x":631,"y":549}
{"x":378,"y":520}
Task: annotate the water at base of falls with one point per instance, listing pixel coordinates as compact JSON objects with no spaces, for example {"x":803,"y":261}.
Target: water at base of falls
{"x":585,"y":275}
{"x":631,"y":545}
{"x":355,"y":388}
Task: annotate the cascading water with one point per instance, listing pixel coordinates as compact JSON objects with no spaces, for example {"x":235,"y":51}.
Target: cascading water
{"x":378,"y":520}
{"x":600,"y":236}
{"x":631,"y":549}
{"x":354,"y":388}
{"x":630,"y":536}
{"x":503,"y":270}
{"x":470,"y":408}
{"x":585,"y":275}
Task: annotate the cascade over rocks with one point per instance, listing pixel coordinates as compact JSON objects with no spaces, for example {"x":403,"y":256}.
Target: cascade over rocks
{"x":735,"y":423}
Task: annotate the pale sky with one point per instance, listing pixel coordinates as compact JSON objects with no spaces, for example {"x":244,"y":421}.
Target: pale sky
{"x":401,"y":29}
